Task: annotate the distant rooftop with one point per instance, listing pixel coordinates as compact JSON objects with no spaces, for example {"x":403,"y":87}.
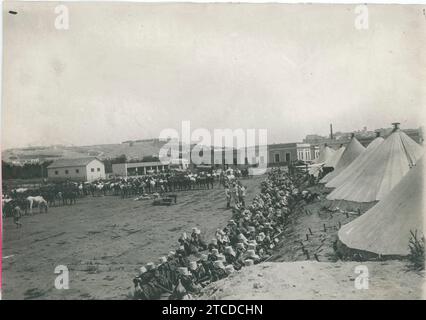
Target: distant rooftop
{"x":77,"y":162}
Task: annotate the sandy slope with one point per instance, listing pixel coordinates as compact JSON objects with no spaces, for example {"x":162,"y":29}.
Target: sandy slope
{"x":318,"y":280}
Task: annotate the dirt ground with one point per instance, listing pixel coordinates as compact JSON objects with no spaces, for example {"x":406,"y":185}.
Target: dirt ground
{"x":312,"y":229}
{"x":103,"y":241}
{"x":319,"y":280}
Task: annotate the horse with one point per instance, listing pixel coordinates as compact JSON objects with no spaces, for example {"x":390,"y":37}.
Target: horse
{"x":39,"y":201}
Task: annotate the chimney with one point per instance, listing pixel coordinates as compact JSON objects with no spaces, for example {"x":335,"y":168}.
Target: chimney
{"x":331,"y":131}
{"x":395,"y":126}
{"x":352,"y":135}
{"x":377,"y":133}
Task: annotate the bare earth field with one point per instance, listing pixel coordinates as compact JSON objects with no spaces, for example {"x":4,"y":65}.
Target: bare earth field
{"x":103,"y":241}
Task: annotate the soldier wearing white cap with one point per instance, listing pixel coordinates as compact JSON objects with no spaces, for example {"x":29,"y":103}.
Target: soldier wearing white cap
{"x":213,"y":254}
{"x":184,"y":242}
{"x":242,"y":238}
{"x":149,"y":282}
{"x":197,"y":241}
{"x":218,"y":271}
{"x":150,"y":266}
{"x":251,"y":254}
{"x":221,"y":257}
{"x":248,"y":262}
{"x":229,"y":269}
{"x":188,"y":281}
{"x":213,"y":244}
{"x":207,"y":267}
{"x":198,"y":272}
{"x":228,"y":196}
{"x":164,"y":275}
{"x":171,"y":255}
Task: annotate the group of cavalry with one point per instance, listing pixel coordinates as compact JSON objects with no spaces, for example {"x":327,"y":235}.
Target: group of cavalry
{"x":68,"y":192}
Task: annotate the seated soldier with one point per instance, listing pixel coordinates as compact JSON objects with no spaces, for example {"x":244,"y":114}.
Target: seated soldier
{"x":188,"y":281}
{"x":207,"y":266}
{"x":149,"y":283}
{"x":231,"y":258}
{"x":213,"y":255}
{"x":251,"y":255}
{"x":213,"y":244}
{"x":179,"y":292}
{"x":164,"y":274}
{"x":218,"y":271}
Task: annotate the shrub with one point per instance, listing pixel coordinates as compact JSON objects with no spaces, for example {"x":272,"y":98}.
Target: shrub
{"x":417,"y":251}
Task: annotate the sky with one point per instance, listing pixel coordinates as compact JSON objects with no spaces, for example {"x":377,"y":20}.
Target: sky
{"x":126,"y":71}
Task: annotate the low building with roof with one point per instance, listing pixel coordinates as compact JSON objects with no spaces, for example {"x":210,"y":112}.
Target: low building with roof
{"x":78,"y":169}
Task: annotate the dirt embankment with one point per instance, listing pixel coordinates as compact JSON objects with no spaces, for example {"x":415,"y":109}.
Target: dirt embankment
{"x":319,"y":280}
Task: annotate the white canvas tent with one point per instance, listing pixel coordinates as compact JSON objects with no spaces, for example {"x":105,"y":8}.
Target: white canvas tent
{"x":356,"y":165}
{"x":386,"y":166}
{"x":385,"y":228}
{"x":325,"y":155}
{"x":332,"y":162}
{"x":350,"y":153}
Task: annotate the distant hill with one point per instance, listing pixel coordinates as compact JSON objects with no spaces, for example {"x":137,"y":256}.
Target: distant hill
{"x":132,"y":150}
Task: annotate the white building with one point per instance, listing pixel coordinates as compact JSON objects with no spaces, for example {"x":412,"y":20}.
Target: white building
{"x":79,"y":169}
{"x":137,"y":168}
{"x":142,"y":168}
{"x":304,"y":152}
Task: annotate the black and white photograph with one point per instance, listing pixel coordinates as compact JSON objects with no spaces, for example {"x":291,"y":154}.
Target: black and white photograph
{"x":212,"y":151}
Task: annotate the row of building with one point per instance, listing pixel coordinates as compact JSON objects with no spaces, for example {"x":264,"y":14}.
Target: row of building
{"x":92,"y":168}
{"x":280,"y":154}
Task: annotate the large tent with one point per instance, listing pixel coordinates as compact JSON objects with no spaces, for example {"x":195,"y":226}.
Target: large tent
{"x":386,"y":166}
{"x":332,"y":162}
{"x":354,"y":167}
{"x":350,"y":153}
{"x":325,"y":155}
{"x":385,"y":228}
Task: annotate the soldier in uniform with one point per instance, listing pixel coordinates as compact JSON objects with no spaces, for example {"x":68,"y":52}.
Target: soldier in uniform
{"x":231,"y":257}
{"x":188,"y":281}
{"x":207,"y":267}
{"x":153,"y":282}
{"x":164,"y":274}
{"x":17,"y":214}
{"x":228,"y":197}
{"x":213,"y":244}
{"x":218,"y":271}
{"x":213,"y":254}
